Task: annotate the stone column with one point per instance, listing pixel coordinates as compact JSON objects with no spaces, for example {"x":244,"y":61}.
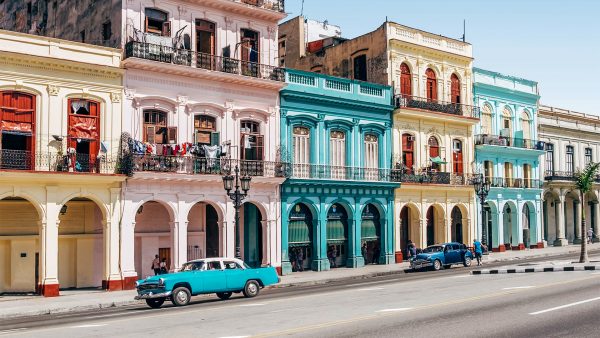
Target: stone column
{"x":577,"y":206}
{"x":174,"y":263}
{"x":559,"y":219}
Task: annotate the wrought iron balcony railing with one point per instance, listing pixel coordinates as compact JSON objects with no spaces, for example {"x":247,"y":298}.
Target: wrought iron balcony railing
{"x":75,"y":163}
{"x":408,"y":101}
{"x":274,"y":5}
{"x":496,"y":140}
{"x":166,"y":54}
{"x":551,"y":175}
{"x":527,"y":183}
{"x":192,"y":165}
{"x":433,"y":177}
{"x":341,"y":173}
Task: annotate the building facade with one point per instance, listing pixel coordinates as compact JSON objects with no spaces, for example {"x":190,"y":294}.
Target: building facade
{"x":337,"y":204}
{"x":571,"y":143}
{"x":508,"y":155}
{"x":60,"y":126}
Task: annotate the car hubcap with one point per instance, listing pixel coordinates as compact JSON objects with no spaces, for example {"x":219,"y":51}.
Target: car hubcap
{"x":252,"y":288}
{"x":181,"y":296}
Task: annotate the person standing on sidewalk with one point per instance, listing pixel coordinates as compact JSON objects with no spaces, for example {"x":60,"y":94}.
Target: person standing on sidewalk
{"x":590,"y":235}
{"x":156,"y":265}
{"x":478,"y":251}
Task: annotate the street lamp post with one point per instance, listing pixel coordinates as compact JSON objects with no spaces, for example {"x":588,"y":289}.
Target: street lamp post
{"x":237,"y":197}
{"x":482,"y":189}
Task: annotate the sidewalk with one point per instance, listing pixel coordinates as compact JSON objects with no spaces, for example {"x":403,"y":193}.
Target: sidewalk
{"x":82,"y":300}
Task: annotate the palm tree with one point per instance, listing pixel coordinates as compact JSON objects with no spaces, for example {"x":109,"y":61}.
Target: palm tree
{"x":583,"y":182}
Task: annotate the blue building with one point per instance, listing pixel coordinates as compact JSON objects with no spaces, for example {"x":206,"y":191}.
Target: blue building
{"x":508,"y":154}
{"x":337,"y":204}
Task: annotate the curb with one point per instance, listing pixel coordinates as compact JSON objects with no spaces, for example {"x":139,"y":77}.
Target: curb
{"x":332,"y":280}
{"x":67,"y":310}
{"x":536,"y":269}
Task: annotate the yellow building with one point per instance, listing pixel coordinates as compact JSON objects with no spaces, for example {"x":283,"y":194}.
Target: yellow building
{"x":60,"y":126}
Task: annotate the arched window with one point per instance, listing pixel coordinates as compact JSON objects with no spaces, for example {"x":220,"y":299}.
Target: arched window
{"x":408,"y":151}
{"x":506,"y":130}
{"x":17,"y":129}
{"x":486,"y":120}
{"x":371,"y":151}
{"x":405,"y":80}
{"x":526,"y":125}
{"x":434,"y":153}
{"x":431,"y":87}
{"x":337,"y":153}
{"x":454,"y":89}
{"x":301,"y":144}
{"x":457,"y":157}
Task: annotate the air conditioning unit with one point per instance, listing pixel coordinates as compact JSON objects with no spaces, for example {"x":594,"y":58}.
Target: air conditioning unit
{"x":411,"y":138}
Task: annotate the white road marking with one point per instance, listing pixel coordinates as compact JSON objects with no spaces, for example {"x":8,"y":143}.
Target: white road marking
{"x":252,"y":304}
{"x":565,"y":306}
{"x":234,"y":336}
{"x":519,"y":287}
{"x":12,"y":331}
{"x":369,"y":289}
{"x":460,"y":276}
{"x":396,"y":310}
{"x":87,"y":326}
{"x":596,"y":273}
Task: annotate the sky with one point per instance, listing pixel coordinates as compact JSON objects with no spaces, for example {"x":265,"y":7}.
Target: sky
{"x":552,"y":42}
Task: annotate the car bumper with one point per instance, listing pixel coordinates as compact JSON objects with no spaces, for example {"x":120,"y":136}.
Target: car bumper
{"x":151,"y":295}
{"x":420,"y":264}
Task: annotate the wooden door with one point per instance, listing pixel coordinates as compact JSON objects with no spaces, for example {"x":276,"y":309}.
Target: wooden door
{"x":454,"y":89}
{"x":165,"y":253}
{"x":84,"y":132}
{"x":405,"y":80}
{"x":431,"y":85}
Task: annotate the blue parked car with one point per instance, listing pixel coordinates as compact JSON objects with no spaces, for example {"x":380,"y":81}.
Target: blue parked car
{"x":222,"y":276}
{"x":442,"y":255}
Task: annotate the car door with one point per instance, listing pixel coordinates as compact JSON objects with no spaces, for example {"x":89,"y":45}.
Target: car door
{"x":453,"y":253}
{"x":235,"y":275}
{"x":213,"y":278}
{"x":194,"y":276}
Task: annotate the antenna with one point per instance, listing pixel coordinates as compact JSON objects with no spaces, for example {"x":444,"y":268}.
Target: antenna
{"x":464,"y":30}
{"x":302,"y":9}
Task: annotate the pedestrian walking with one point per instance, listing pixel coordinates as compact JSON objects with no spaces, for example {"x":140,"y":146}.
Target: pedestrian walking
{"x":292,"y":257}
{"x":163,"y":266}
{"x":376,"y":252}
{"x":156,"y":265}
{"x":590,"y":235}
{"x":363,"y":251}
{"x":478,"y":250}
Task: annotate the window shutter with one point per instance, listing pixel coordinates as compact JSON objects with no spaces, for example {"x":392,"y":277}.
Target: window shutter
{"x":151,"y":134}
{"x":146,"y":25}
{"x":166,"y":28}
{"x":215,"y":139}
{"x":172,"y":135}
{"x":260,"y":145}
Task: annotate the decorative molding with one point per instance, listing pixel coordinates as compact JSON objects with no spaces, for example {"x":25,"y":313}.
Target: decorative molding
{"x":129,"y":93}
{"x":182,"y":100}
{"x":321,"y":117}
{"x":115,"y":97}
{"x":53,"y":90}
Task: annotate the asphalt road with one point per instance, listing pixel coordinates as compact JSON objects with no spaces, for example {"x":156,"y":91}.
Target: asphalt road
{"x":449,"y":304}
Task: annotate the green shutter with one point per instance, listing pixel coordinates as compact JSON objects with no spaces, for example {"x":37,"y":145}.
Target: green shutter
{"x":368,"y":229}
{"x":336,"y":230}
{"x":215,"y":139}
{"x":298,"y":233}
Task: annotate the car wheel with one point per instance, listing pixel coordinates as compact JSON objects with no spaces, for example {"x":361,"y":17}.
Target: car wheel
{"x":155,"y":303}
{"x":437,"y":265}
{"x":251,"y":289}
{"x":467,"y":261}
{"x":224,"y":295}
{"x":181,"y":296}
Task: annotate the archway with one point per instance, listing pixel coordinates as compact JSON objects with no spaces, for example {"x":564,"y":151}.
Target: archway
{"x":80,"y":245}
{"x":456,"y":233}
{"x":19,"y":246}
{"x":337,"y":235}
{"x":203,"y":236}
{"x":511,"y":237}
{"x":549,"y":208}
{"x":572,"y":217}
{"x":409,"y":227}
{"x":300,"y":237}
{"x":251,"y":236}
{"x":490,"y":220}
{"x":526,"y":224}
{"x":153,"y":237}
{"x":370,"y":227}
{"x":435,"y":225}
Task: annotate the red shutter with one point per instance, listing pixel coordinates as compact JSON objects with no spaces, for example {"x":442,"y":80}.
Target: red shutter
{"x":172,"y":135}
{"x":150,"y":136}
{"x":431,"y":85}
{"x":405,"y":80}
{"x":455,"y":89}
{"x":260,"y":145}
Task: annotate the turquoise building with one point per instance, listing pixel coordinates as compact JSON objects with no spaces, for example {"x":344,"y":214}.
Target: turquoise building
{"x":508,"y":154}
{"x":337,"y":204}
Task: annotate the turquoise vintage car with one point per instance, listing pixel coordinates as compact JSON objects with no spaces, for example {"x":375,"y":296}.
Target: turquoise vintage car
{"x":222,"y":276}
{"x":442,"y":255}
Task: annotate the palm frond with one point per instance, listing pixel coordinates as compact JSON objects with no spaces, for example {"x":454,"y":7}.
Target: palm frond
{"x":586,"y":177}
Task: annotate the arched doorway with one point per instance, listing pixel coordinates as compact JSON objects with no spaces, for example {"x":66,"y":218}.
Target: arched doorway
{"x":511,"y":238}
{"x":491,"y":239}
{"x":153,"y":237}
{"x":435,"y":225}
{"x":572,"y":217}
{"x":203,"y":232}
{"x":337,"y":235}
{"x":457,"y":225}
{"x":80,"y":245}
{"x":370,"y":227}
{"x":409,"y":227}
{"x":300,"y":234}
{"x":251,"y":234}
{"x":526,"y":222}
{"x":19,"y":246}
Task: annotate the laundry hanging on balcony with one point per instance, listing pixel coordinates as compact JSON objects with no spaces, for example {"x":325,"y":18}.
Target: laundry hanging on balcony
{"x":437,"y":160}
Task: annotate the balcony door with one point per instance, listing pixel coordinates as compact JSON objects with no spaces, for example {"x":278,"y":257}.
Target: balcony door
{"x":301,"y":152}
{"x":457,"y":157}
{"x":250,"y":52}
{"x":434,"y":153}
{"x":84,"y":133}
{"x":371,"y":156}
{"x":431,"y":86}
{"x":205,"y":44}
{"x":17,"y":127}
{"x":405,"y":80}
{"x":408,"y":152}
{"x":252,"y":141}
{"x":337,"y":154}
{"x":454,"y":89}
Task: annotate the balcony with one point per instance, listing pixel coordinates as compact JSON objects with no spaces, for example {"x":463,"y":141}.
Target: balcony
{"x":551,"y":175}
{"x":192,"y":165}
{"x":329,"y":172}
{"x":526,"y":183}
{"x":188,"y":58}
{"x":273,"y":5}
{"x":21,"y":160}
{"x":433,"y":178}
{"x":496,"y":140}
{"x":438,"y":106}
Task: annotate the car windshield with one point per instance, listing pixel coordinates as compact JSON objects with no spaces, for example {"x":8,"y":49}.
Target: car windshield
{"x":434,"y":248}
{"x":189,"y":266}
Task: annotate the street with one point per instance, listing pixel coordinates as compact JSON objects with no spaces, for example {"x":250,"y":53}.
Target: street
{"x":448,"y":303}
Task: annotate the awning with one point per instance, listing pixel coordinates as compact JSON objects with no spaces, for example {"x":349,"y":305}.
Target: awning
{"x":17,"y":128}
{"x":438,"y":160}
{"x":298,"y":233}
{"x":368,"y":229}
{"x":336,"y":231}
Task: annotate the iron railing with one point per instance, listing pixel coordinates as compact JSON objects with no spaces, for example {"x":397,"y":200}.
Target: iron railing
{"x":76,"y":163}
{"x":166,"y":54}
{"x":274,"y":5}
{"x":551,"y":175}
{"x":434,"y":178}
{"x":408,"y":101}
{"x":496,"y":140}
{"x":192,"y":165}
{"x":527,"y":183}
{"x":342,"y":173}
